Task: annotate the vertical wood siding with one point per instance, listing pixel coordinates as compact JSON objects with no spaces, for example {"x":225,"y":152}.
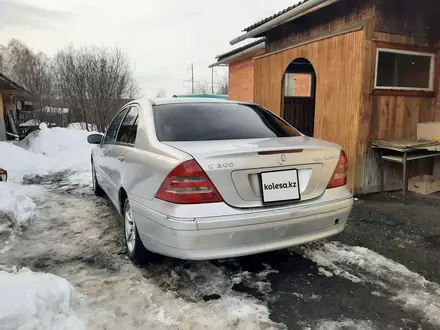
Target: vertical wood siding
{"x":336,"y":15}
{"x":388,"y":117}
{"x":338,"y":63}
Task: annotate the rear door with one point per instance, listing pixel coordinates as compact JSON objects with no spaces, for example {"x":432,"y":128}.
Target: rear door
{"x":245,"y":148}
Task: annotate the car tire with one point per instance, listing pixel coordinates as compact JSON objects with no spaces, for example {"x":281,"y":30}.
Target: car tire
{"x":133,"y":244}
{"x":97,"y":190}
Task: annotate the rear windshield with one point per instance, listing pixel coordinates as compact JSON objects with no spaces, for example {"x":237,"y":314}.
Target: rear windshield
{"x":217,"y":121}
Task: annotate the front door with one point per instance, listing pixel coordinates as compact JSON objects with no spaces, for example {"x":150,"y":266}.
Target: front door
{"x":105,"y":163}
{"x":119,"y":153}
{"x":299,"y":96}
{"x":300,"y":113}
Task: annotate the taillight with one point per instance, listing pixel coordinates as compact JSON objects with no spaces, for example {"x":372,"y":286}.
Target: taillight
{"x":339,"y":177}
{"x":188,"y":184}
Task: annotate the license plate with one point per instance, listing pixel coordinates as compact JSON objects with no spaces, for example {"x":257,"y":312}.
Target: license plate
{"x":280,"y":186}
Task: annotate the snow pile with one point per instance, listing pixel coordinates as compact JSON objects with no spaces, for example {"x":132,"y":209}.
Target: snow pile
{"x":57,"y":140}
{"x":47,"y":151}
{"x":410,"y":289}
{"x":31,"y":300}
{"x":16,"y":206}
{"x":82,"y":126}
{"x":16,"y":211}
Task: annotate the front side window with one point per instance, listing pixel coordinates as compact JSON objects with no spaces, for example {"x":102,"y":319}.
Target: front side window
{"x":404,"y":70}
{"x":127,"y":126}
{"x":112,"y":131}
{"x":133,"y":132}
{"x":217,"y":121}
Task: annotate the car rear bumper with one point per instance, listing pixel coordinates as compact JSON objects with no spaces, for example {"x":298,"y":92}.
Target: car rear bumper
{"x":239,"y":235}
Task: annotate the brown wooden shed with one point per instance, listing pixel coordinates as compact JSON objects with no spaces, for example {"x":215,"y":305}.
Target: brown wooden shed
{"x":372,"y":68}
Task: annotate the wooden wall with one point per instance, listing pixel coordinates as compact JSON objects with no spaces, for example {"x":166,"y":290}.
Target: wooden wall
{"x":409,"y":18}
{"x":338,"y":63}
{"x":390,"y":115}
{"x":334,"y":16}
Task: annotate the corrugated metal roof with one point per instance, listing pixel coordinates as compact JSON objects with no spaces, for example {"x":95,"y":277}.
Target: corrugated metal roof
{"x":267,"y":19}
{"x":12,"y":84}
{"x":240,"y":49}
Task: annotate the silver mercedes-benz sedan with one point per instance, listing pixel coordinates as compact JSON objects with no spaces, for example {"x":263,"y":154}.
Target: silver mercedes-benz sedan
{"x":205,"y":179}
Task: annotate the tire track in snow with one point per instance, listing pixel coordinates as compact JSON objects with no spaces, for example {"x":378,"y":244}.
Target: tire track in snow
{"x":358,"y":264}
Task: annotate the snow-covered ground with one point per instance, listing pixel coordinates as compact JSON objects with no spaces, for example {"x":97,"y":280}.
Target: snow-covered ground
{"x":31,"y":300}
{"x":49,"y":150}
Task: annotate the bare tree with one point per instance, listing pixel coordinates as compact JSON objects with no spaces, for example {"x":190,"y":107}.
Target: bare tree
{"x":161,"y":93}
{"x":95,"y":81}
{"x":31,"y":70}
{"x":222,"y":85}
{"x":202,"y":87}
{"x":3,"y":50}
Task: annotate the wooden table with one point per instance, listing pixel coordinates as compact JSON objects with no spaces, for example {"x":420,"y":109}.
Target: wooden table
{"x":405,"y":153}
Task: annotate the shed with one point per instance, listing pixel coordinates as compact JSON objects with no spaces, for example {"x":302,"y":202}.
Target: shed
{"x":350,"y":71}
{"x":12,"y":96}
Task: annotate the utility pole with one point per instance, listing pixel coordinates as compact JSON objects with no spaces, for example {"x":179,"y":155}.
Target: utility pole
{"x":192,"y":78}
{"x":212,"y":80}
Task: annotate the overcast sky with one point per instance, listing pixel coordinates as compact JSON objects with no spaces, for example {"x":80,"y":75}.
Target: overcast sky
{"x":161,"y":37}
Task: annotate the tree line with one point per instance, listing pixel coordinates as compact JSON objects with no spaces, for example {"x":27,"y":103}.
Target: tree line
{"x":89,"y":80}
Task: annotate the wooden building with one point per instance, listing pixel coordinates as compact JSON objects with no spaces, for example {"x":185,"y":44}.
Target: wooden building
{"x":12,"y":96}
{"x":370,"y":67}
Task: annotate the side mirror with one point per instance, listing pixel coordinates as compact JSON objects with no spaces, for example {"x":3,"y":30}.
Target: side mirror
{"x":94,"y":138}
{"x":3,"y":175}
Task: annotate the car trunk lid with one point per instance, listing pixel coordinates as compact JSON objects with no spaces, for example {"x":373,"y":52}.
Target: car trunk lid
{"x":237,"y":167}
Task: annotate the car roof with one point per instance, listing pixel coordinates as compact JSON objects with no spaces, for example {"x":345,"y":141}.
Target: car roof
{"x":177,"y":100}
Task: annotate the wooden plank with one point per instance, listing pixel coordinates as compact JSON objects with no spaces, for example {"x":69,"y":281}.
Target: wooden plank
{"x":318,"y":37}
{"x":396,"y":92}
{"x":402,"y":39}
{"x":409,"y":46}
{"x":409,"y":18}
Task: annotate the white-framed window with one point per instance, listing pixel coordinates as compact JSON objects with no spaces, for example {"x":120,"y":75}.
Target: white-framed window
{"x":404,"y":70}
{"x":298,"y":84}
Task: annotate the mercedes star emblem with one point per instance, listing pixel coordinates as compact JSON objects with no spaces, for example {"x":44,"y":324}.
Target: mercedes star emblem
{"x":281,"y":159}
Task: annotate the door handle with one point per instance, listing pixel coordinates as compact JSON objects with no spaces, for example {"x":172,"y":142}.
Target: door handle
{"x":105,"y":151}
{"x":121,"y":158}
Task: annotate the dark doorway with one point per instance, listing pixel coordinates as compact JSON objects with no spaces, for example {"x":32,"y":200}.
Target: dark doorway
{"x":299,"y":91}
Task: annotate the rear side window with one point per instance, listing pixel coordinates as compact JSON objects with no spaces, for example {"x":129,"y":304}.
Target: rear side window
{"x":127,"y":126}
{"x":217,"y":121}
